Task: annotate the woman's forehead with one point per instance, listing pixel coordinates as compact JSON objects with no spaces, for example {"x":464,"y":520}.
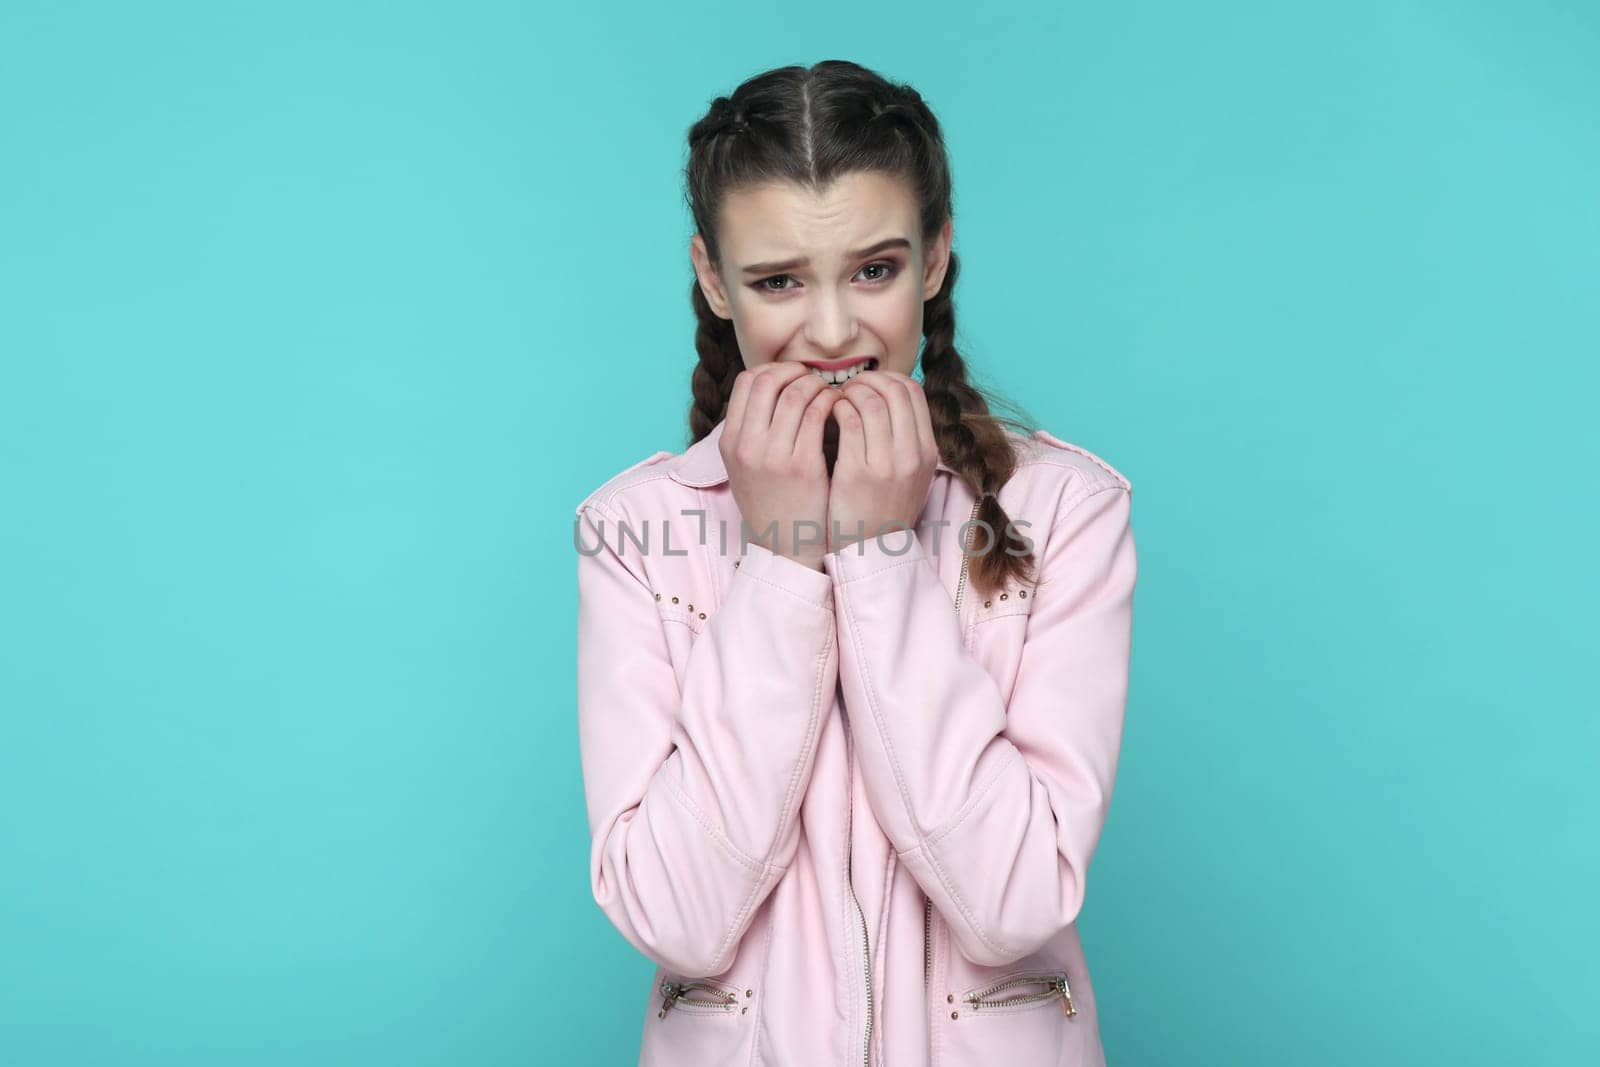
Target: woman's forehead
{"x":780,"y":219}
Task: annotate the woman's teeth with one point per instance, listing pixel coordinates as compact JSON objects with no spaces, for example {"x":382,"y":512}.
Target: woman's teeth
{"x":839,"y":377}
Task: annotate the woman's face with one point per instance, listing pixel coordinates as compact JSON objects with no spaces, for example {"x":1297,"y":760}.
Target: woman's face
{"x":836,"y":280}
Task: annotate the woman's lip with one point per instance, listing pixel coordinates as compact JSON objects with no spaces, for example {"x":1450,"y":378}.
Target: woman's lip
{"x":836,"y":364}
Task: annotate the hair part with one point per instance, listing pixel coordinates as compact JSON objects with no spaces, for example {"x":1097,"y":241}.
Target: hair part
{"x":811,"y":126}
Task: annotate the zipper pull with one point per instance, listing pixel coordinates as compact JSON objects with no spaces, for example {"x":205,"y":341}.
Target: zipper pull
{"x":671,"y":992}
{"x":1067,"y":1007}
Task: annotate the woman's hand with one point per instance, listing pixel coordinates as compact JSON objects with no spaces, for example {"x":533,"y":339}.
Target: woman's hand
{"x":887,"y":456}
{"x":772,"y":446}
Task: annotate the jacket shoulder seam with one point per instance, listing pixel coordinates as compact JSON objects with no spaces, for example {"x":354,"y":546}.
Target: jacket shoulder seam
{"x":635,"y":474}
{"x":1053,"y":444}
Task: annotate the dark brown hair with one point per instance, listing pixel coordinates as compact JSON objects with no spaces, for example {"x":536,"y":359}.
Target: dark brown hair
{"x":812,"y":125}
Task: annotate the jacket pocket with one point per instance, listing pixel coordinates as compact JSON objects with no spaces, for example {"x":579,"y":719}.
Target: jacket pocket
{"x":1022,"y":992}
{"x":697,"y":1022}
{"x":1020,"y":1014}
{"x":695,"y":996}
{"x":701,"y":1020}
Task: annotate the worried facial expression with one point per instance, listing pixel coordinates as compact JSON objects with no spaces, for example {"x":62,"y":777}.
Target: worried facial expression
{"x":834,"y":280}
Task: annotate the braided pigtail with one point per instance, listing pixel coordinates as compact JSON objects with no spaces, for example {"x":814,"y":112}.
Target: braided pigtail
{"x":973,"y":442}
{"x":719,"y":364}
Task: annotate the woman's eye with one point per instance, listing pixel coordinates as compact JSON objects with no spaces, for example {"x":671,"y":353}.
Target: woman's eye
{"x":887,"y":268}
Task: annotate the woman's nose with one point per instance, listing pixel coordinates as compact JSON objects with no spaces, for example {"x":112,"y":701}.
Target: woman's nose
{"x":830,"y":324}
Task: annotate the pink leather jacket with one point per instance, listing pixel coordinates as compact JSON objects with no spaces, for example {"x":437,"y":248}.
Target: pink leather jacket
{"x":849,"y":812}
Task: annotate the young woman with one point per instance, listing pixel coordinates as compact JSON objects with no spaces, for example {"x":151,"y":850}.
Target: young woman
{"x":844,"y":781}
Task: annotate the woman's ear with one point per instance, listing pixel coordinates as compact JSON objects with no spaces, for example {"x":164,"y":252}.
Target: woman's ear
{"x":936,"y":260}
{"x":706,"y":273}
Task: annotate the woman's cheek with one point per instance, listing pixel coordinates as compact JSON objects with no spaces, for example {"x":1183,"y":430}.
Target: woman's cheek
{"x":760,"y":339}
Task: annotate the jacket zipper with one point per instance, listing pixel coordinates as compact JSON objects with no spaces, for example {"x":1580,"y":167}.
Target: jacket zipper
{"x":696,"y":994}
{"x":927,"y":902}
{"x":1052,"y":984}
{"x":866,"y":949}
{"x":927,"y":941}
{"x":961,"y":583}
{"x":861,"y":917}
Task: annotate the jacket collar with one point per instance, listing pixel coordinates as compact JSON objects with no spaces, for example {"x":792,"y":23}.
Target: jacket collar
{"x":701,"y":464}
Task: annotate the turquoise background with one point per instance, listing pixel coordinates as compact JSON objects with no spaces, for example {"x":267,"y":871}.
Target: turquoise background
{"x":316,"y":321}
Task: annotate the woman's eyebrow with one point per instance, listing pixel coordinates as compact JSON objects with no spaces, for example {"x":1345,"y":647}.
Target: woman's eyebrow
{"x":790,"y":264}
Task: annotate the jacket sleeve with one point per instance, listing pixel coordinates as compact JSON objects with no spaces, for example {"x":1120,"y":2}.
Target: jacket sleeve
{"x":693,"y":792}
{"x":994,"y":805}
